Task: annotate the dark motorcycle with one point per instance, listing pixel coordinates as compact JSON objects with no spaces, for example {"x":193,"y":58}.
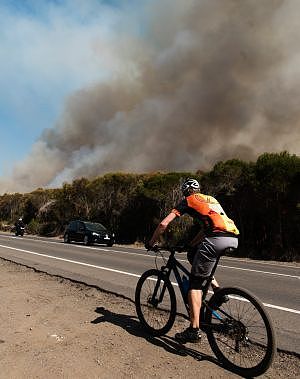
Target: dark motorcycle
{"x":19,"y":231}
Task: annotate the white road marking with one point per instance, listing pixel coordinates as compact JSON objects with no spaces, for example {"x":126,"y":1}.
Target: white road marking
{"x":246,"y":260}
{"x":120,"y":272}
{"x":185,"y":260}
{"x":265,"y":304}
{"x":181,"y":260}
{"x":260,"y":271}
{"x":70,"y":261}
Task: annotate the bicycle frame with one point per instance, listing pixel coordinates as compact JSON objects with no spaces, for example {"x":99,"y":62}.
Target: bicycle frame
{"x":178,"y":269}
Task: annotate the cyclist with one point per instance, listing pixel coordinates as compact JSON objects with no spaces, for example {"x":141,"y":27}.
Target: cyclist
{"x":220,"y":233}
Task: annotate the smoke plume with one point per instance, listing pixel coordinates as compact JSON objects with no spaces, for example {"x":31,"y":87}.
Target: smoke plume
{"x":207,"y":80}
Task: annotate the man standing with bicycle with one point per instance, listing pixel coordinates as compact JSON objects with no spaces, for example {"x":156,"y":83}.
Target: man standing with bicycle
{"x":220,"y":233}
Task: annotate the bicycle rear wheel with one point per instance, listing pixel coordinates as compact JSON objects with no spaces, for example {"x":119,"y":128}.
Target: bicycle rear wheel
{"x":155,"y":302}
{"x":241,"y":333}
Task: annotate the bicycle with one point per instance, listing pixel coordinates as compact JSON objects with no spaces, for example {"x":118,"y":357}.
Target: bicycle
{"x":239,"y":331}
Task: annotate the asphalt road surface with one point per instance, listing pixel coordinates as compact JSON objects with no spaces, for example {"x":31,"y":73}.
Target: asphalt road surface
{"x":118,"y":268}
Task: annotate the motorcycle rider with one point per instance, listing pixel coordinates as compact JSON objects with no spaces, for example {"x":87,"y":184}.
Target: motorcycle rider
{"x":20,"y":226}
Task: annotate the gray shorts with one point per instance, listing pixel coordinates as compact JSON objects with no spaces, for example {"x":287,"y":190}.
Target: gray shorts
{"x":207,"y":253}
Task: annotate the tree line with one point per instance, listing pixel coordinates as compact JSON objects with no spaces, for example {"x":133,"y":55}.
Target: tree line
{"x":262,"y":197}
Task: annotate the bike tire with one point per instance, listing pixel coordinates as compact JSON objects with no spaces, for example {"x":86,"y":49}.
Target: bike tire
{"x":251,"y":354}
{"x":156,"y":319}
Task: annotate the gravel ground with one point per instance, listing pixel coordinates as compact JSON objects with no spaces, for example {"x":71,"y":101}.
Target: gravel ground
{"x":52,"y":327}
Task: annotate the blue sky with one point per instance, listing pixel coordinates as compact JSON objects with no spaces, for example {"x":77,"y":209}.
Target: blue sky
{"x":49,"y":49}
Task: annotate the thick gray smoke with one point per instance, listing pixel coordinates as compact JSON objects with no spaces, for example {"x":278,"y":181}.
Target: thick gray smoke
{"x":210,"y":80}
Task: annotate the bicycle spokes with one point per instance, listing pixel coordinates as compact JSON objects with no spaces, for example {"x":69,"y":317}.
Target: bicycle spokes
{"x":246,"y":321}
{"x":155,"y":302}
{"x":240,"y":332}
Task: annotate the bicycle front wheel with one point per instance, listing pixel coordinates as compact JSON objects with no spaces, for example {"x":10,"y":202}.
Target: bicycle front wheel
{"x":155,"y":302}
{"x":241,"y":333}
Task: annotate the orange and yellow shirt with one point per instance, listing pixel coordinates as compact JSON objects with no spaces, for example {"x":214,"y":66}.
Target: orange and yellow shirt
{"x":209,"y":211}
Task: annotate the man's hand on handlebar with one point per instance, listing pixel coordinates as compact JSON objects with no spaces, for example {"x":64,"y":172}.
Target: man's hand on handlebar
{"x":150,"y":247}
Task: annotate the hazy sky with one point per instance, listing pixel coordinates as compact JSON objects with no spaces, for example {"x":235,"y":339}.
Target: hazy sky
{"x":48,"y":50}
{"x":90,"y":86}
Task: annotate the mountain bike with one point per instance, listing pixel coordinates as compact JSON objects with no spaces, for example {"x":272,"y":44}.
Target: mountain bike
{"x":239,"y":331}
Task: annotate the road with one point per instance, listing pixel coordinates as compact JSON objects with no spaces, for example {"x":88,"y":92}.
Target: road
{"x":117,"y":270}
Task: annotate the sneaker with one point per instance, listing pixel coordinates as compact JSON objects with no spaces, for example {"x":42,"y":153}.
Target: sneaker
{"x":188,"y":335}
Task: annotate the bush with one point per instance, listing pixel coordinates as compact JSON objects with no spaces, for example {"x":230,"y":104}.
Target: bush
{"x":47,"y":229}
{"x":33,"y":227}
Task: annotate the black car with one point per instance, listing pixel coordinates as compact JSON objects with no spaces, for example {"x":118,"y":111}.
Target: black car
{"x":88,"y":233}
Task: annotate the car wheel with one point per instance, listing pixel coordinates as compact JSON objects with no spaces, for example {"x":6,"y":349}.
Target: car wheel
{"x":86,"y":240}
{"x":66,"y":238}
{"x":109,"y":244}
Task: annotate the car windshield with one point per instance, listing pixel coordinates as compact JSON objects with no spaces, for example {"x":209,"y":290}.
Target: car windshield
{"x":95,"y":227}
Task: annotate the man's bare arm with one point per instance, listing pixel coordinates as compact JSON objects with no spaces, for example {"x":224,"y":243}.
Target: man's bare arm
{"x":162,"y":226}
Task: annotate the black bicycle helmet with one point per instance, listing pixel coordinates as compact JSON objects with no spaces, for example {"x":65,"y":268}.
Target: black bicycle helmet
{"x":188,"y":185}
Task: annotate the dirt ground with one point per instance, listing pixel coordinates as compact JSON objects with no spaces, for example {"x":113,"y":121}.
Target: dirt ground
{"x":54,"y":328}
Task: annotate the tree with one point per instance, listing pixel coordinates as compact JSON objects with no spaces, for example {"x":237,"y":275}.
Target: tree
{"x":278,"y":189}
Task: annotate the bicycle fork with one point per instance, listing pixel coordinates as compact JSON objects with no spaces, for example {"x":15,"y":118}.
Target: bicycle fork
{"x":154,"y":299}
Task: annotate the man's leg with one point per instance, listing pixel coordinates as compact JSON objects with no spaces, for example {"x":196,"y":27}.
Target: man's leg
{"x":192,"y":333}
{"x":203,"y":263}
{"x":194,"y":298}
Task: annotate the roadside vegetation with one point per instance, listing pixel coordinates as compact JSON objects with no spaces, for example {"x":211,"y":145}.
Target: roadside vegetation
{"x":262,"y":197}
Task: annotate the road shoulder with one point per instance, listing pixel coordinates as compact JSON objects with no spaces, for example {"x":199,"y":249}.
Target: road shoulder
{"x":53,"y":327}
